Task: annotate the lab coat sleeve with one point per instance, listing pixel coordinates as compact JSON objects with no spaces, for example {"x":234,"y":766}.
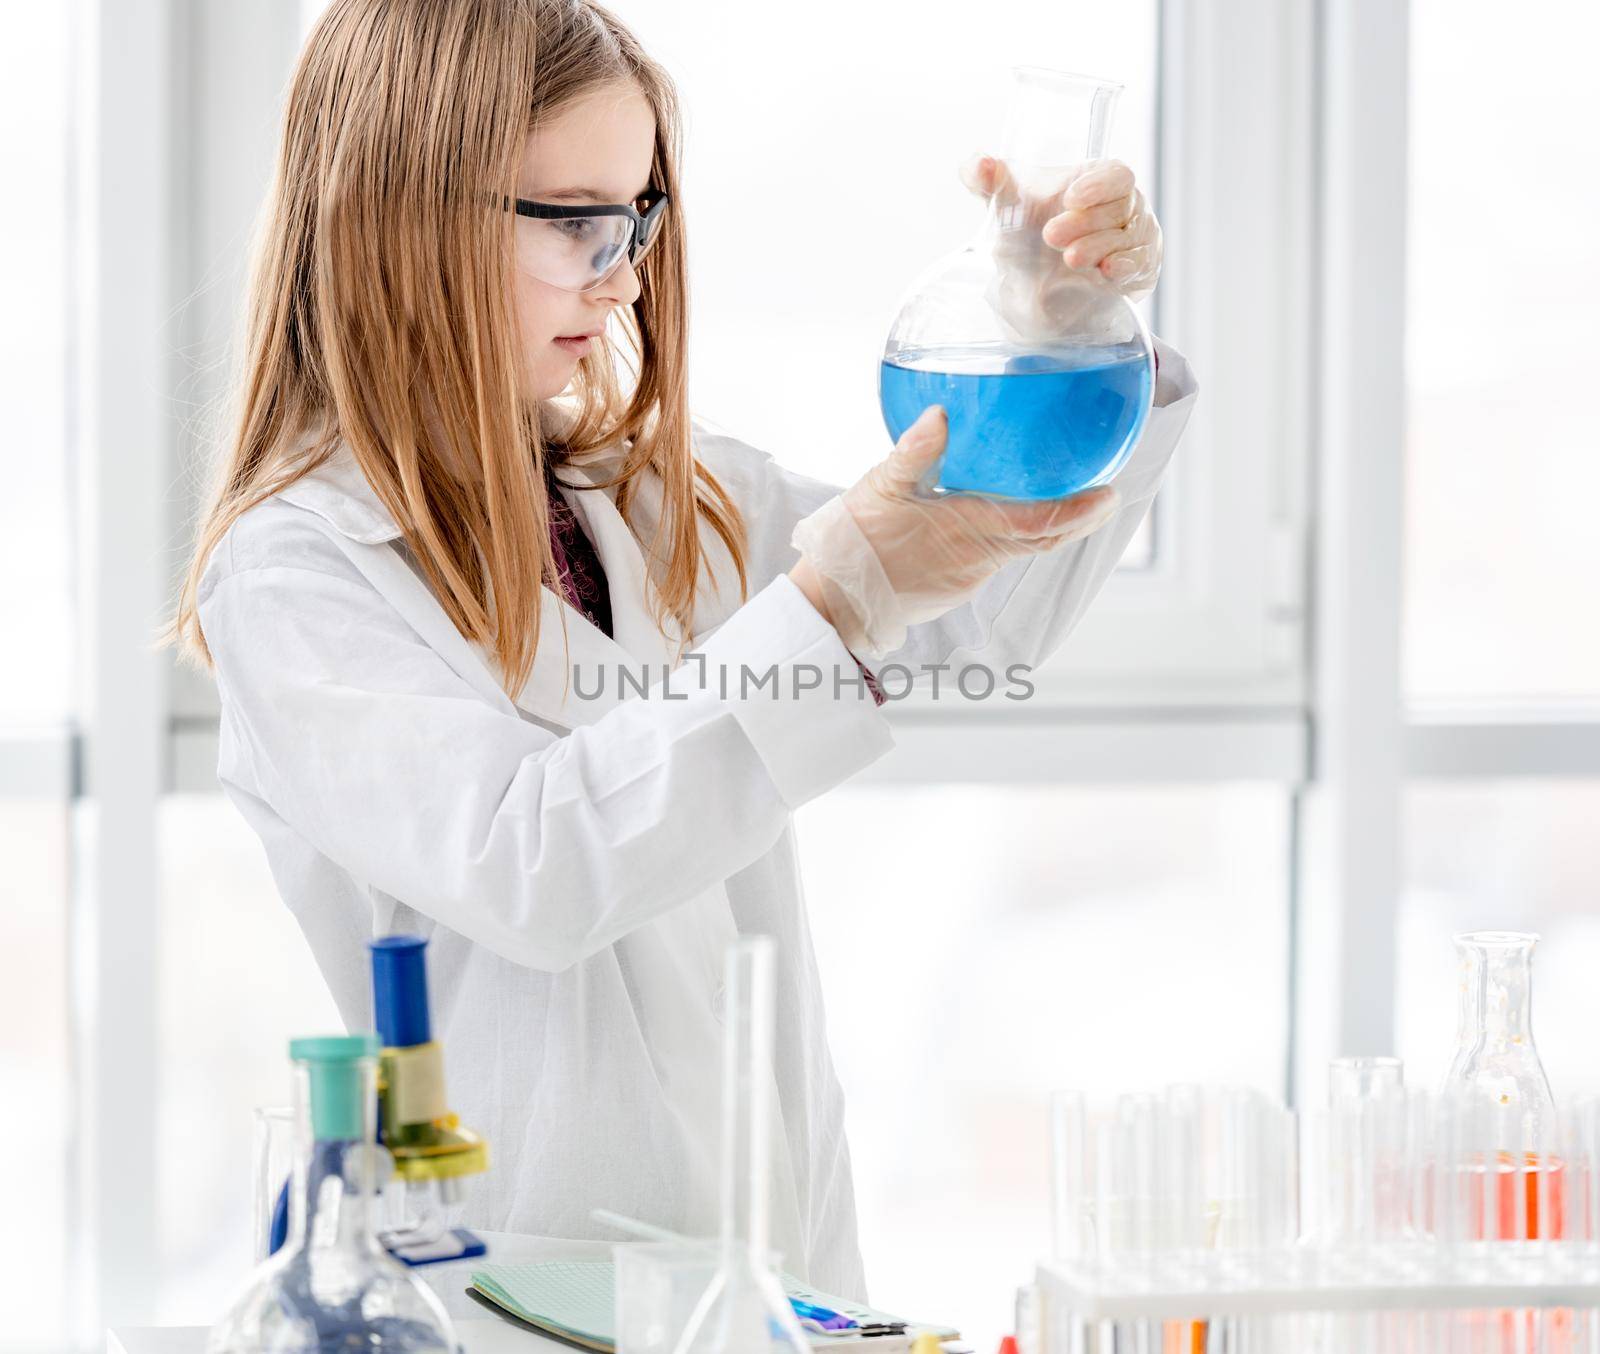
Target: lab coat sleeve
{"x":543,"y":848}
{"x":1025,"y":611}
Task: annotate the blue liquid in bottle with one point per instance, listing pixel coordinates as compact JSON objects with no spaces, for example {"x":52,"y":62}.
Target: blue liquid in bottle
{"x":1030,"y":426}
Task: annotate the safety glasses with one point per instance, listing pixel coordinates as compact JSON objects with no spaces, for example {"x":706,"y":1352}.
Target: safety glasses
{"x":576,"y":248}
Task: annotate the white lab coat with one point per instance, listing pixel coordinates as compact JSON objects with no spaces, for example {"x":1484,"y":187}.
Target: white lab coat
{"x":581,"y":864}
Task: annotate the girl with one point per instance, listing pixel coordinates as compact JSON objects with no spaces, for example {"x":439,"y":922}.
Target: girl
{"x":443,"y":532}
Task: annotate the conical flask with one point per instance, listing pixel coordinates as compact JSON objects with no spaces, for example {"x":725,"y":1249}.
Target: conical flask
{"x":745,"y":1309}
{"x":1047,"y":372}
{"x":332,"y":1286}
{"x":1498,"y":1095}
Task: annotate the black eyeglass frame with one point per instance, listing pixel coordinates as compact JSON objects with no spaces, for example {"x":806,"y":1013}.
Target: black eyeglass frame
{"x":645,"y":223}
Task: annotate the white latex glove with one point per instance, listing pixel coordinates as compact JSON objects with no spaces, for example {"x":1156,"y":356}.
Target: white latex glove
{"x":1098,"y":220}
{"x":882,"y":556}
{"x":1066,"y":248}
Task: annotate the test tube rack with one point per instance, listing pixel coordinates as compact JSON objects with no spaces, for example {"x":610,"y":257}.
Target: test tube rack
{"x":1201,"y":1220}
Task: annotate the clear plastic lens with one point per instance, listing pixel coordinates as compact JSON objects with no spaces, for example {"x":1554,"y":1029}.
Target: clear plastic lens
{"x":574,"y":253}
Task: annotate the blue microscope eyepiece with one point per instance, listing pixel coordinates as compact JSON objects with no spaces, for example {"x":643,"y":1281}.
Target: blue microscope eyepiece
{"x":400,"y":991}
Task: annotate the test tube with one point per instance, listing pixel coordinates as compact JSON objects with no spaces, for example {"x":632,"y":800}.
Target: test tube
{"x":1363,"y":1079}
{"x":1136,"y":1115}
{"x":1185,"y":1190}
{"x":1069,"y":1175}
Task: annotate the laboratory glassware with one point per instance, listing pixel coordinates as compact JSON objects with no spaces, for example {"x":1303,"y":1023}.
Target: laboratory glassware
{"x":1355,"y":1275}
{"x":1358,"y":1080}
{"x":1047,"y":372}
{"x":659,"y":1286}
{"x":1509,"y":1133}
{"x":333,"y":1287}
{"x":1361,"y":1151}
{"x":745,"y":1308}
{"x":272,"y":1153}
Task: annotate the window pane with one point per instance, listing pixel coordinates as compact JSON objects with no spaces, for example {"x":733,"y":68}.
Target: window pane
{"x":983,"y":946}
{"x":1503,"y":460}
{"x":35,"y":1068}
{"x":225,"y":1030}
{"x":1511,"y":855}
{"x":35,"y":601}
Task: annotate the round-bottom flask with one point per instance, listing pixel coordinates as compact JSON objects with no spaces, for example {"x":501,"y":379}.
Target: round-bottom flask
{"x":333,"y":1287}
{"x":1047,"y":372}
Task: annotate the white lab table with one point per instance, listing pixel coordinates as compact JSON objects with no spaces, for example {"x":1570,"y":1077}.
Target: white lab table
{"x":480,"y":1333}
{"x":489,"y":1336}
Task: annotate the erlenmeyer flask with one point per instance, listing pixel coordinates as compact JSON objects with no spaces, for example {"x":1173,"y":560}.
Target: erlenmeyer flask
{"x":1047,"y":372}
{"x":332,"y":1286}
{"x":745,"y":1308}
{"x":1498,"y":1091}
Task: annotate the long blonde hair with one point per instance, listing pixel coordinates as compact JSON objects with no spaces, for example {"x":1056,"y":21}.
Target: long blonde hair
{"x":380,"y":311}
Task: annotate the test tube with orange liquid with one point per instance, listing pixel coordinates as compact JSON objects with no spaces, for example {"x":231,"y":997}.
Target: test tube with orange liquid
{"x":1525,"y":1201}
{"x":1529,"y":1199}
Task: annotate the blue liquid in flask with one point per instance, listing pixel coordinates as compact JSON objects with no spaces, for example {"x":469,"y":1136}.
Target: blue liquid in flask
{"x":1026,"y":426}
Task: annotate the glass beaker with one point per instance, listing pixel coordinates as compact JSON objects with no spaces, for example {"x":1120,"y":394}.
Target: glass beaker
{"x":1498,"y":1091}
{"x":332,"y":1286}
{"x":272,"y":1153}
{"x":1047,"y":372}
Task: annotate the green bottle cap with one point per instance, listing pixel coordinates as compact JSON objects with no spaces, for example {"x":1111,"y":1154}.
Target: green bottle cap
{"x":333,"y":1062}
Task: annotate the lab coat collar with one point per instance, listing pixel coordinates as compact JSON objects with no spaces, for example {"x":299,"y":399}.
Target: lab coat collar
{"x":589,"y":660}
{"x":339,"y":492}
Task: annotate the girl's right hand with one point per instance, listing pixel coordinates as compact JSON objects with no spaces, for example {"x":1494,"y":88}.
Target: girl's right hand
{"x":885,"y":557}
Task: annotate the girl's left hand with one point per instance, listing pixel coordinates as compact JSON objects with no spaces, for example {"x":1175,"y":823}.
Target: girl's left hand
{"x":1104,"y":222}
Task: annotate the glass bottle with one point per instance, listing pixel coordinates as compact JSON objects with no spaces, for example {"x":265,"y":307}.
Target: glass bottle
{"x":333,"y":1287}
{"x":1498,"y":1093}
{"x":1047,"y":372}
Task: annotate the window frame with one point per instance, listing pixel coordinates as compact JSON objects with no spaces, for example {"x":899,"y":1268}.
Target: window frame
{"x":1218,"y":618}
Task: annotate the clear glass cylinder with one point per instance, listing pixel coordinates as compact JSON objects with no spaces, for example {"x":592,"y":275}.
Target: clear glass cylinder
{"x":1359,"y":1155}
{"x":1071,"y":1217}
{"x":332,"y":1286}
{"x":1047,"y":372}
{"x":745,"y":1308}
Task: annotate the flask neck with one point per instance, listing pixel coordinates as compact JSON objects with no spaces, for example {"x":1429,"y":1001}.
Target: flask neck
{"x":1057,"y":118}
{"x":336,"y":1159}
{"x":746,"y":1101}
{"x":1056,"y":125}
{"x":1495,"y":1008}
{"x":331,"y":1203}
{"x":1028,"y":194}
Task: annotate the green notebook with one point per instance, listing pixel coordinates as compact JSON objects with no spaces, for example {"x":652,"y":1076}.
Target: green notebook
{"x":574,"y":1299}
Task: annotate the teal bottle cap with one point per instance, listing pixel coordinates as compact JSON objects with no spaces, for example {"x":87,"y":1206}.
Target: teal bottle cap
{"x":339,"y":1087}
{"x":334,"y":1047}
